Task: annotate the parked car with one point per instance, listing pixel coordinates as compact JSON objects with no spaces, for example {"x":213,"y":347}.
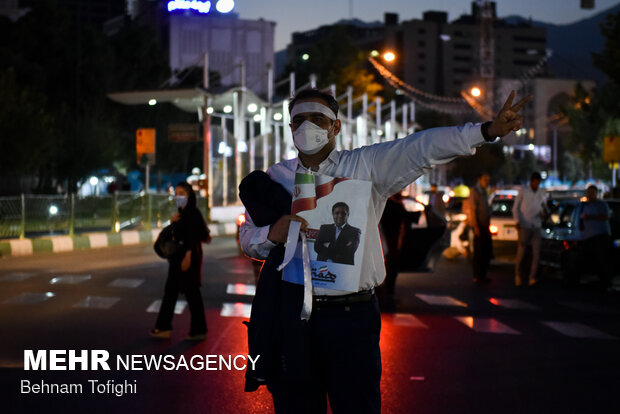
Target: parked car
{"x":503,"y":225}
{"x":562,"y":239}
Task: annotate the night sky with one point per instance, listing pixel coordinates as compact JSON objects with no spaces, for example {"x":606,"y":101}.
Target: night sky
{"x":296,"y":15}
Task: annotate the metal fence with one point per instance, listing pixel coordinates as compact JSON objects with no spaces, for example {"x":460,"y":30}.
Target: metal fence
{"x":32,"y":215}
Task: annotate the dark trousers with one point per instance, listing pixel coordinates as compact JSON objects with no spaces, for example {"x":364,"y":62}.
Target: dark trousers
{"x":191,"y":288}
{"x":345,"y":363}
{"x":598,"y":253}
{"x":483,"y":253}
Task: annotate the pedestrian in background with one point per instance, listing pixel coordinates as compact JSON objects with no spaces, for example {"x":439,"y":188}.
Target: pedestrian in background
{"x":528,"y":210}
{"x":184,"y":269}
{"x":479,"y":219}
{"x":392,"y":225}
{"x":594,"y":215}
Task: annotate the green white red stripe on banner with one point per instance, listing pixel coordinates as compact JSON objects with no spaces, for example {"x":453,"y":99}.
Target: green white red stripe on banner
{"x":309,"y":188}
{"x":304,"y":193}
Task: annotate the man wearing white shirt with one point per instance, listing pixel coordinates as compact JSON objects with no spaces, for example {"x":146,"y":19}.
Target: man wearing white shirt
{"x":345,"y":326}
{"x":528,"y":211}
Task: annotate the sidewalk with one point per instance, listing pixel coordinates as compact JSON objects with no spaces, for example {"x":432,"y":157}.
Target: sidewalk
{"x":225,"y":225}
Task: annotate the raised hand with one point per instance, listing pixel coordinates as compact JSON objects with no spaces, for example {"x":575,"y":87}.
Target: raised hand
{"x":508,"y":118}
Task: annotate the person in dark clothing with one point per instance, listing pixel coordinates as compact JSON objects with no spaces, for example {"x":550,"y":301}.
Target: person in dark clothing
{"x":596,"y":230}
{"x":393,"y":228}
{"x":190,"y":231}
{"x":479,"y":219}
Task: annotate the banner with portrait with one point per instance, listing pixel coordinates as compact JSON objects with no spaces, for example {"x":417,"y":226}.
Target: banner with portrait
{"x":336,"y":210}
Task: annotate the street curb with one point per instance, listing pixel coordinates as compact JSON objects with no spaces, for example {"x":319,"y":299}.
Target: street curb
{"x":57,"y":244}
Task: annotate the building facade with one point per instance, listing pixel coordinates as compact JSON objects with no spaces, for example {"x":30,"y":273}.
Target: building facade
{"x":228,"y":41}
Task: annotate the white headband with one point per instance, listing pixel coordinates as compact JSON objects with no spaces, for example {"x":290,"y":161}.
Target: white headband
{"x":312,"y":107}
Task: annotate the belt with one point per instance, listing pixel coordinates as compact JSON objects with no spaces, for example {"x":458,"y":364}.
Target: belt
{"x":361,"y":296}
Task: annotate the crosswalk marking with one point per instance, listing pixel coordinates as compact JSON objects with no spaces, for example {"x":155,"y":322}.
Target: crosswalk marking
{"x":236,"y":310}
{"x":240,"y":289}
{"x":69,"y":279}
{"x":178,"y":308}
{"x":97,"y":302}
{"x":30,"y":298}
{"x":407,"y":319}
{"x":440,"y":300}
{"x":512,"y":304}
{"x":577,"y":330}
{"x":17,"y":277}
{"x":126,"y":283}
{"x":487,"y":325}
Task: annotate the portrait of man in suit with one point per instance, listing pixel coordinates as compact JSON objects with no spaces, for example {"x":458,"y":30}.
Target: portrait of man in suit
{"x":337,"y":242}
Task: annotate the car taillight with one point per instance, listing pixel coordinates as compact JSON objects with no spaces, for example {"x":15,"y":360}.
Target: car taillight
{"x":568,"y":245}
{"x":240,"y":219}
{"x":493,"y":229}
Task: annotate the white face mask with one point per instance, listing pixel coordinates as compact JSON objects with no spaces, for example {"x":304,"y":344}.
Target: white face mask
{"x":310,"y":138}
{"x":181,"y":201}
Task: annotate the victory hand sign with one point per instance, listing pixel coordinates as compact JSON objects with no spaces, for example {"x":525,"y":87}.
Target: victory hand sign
{"x":508,"y":118}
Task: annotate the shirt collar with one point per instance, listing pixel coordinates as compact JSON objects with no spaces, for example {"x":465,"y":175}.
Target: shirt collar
{"x":332,"y":158}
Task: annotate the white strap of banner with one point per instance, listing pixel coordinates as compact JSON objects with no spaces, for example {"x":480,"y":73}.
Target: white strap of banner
{"x":306,"y":310}
{"x":291,"y":242}
{"x":289,"y":252}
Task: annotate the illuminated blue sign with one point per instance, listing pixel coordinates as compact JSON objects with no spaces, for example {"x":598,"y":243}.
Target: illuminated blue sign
{"x":199,"y":6}
{"x":222,"y":6}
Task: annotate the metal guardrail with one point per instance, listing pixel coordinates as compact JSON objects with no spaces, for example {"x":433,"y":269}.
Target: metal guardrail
{"x":31,"y":215}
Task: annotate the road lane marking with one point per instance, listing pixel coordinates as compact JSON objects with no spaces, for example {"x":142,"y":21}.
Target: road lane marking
{"x":30,"y":298}
{"x":577,"y":330}
{"x":486,"y":325}
{"x":440,"y":300}
{"x":126,"y":283}
{"x":69,"y":279}
{"x":17,"y":277}
{"x":240,"y":289}
{"x":97,"y":302}
{"x":238,"y":309}
{"x":407,"y":319}
{"x":178,"y":308}
{"x":512,"y":304}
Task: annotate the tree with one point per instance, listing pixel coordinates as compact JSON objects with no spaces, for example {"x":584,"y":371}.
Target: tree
{"x":336,"y":60}
{"x":608,"y":61}
{"x":592,"y":116}
{"x":55,"y":73}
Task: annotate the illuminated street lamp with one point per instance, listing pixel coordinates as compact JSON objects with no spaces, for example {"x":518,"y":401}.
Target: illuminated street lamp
{"x":475,"y":91}
{"x":305,"y":56}
{"x":389,"y":56}
{"x":225,"y":6}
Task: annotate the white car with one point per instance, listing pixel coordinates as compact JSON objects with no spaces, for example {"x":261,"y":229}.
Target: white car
{"x":503,"y":226}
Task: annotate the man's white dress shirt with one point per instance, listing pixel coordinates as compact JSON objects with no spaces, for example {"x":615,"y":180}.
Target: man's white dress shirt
{"x":528,"y":206}
{"x":390,"y":166}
